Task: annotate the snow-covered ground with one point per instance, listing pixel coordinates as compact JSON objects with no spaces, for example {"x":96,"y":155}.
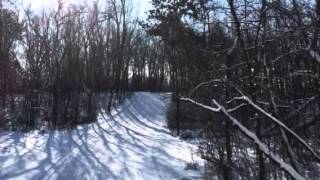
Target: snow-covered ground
{"x":132,"y":143}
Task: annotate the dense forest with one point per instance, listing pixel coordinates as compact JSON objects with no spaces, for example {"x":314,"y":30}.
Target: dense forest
{"x":244,"y":75}
{"x":53,"y":64}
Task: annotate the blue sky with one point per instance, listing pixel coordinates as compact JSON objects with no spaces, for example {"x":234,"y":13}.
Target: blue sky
{"x":140,"y":6}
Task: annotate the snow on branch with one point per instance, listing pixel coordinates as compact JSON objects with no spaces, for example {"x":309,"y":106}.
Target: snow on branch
{"x":233,"y":47}
{"x":278,"y":122}
{"x":314,"y":54}
{"x":283,"y":165}
{"x":211,"y":108}
{"x":237,"y":107}
{"x":234,"y":99}
{"x":203,"y":84}
{"x":201,"y":105}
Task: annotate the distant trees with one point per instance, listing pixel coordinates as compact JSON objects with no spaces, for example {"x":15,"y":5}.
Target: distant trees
{"x":68,"y":55}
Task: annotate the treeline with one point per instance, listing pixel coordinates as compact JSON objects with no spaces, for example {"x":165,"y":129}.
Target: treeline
{"x":247,"y":76}
{"x":52,"y":64}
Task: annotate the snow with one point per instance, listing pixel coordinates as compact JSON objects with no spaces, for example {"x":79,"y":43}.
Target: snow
{"x":131,"y":143}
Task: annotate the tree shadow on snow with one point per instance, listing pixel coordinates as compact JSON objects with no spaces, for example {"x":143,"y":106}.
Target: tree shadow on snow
{"x":130,"y":142}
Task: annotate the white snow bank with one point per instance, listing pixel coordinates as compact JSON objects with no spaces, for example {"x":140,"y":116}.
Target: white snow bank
{"x":133,"y":143}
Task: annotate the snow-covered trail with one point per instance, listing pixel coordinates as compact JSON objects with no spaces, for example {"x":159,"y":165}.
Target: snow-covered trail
{"x":133,"y":143}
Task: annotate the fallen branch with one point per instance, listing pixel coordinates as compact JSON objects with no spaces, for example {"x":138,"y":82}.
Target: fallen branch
{"x":220,"y":109}
{"x":278,"y":122}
